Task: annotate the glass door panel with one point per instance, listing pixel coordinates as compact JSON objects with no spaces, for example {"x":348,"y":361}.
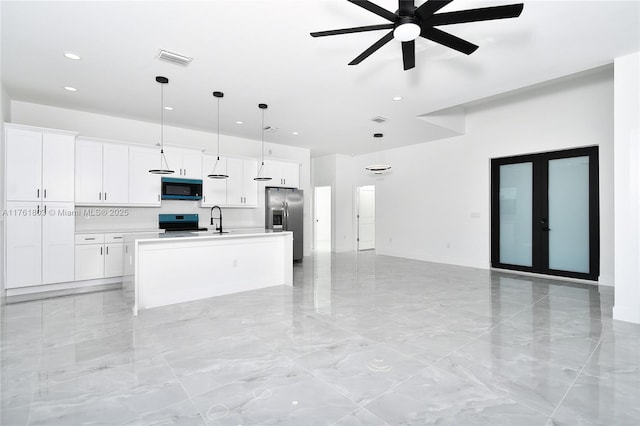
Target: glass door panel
{"x":516,"y":203}
{"x":568,"y":224}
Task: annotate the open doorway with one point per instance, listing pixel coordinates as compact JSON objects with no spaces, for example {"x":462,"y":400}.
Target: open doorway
{"x":366,"y":217}
{"x":322,"y":213}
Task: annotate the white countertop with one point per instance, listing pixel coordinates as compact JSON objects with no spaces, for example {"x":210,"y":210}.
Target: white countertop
{"x":117,"y":231}
{"x":199,"y":235}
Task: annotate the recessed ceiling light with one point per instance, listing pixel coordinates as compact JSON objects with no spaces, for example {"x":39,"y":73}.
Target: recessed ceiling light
{"x":70,"y":89}
{"x":397,"y":98}
{"x":168,"y":108}
{"x":295,"y":133}
{"x":239,"y":122}
{"x":72,"y":55}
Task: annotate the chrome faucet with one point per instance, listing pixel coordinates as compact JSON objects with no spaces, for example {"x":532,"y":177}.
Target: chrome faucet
{"x":218,"y":228}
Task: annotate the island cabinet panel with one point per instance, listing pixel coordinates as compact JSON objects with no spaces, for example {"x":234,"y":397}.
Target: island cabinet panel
{"x":169,"y":269}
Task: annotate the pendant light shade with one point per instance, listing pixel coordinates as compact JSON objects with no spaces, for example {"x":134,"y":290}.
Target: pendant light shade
{"x":215,"y":174}
{"x":380,"y":168}
{"x":164,"y":166}
{"x":261,"y":177}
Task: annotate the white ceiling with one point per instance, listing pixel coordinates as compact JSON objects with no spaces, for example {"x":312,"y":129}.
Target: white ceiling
{"x":261,"y":51}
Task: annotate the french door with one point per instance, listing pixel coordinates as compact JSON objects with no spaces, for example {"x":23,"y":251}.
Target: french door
{"x":545,"y":215}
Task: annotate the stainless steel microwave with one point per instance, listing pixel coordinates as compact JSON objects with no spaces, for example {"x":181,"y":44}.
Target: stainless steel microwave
{"x":181,"y":189}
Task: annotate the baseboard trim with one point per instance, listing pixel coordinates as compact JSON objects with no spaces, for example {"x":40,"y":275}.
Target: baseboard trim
{"x":19,"y":295}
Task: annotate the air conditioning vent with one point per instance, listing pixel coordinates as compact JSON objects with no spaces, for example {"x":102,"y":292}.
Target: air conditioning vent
{"x":174,"y":58}
{"x":379,"y":119}
{"x":270,"y":129}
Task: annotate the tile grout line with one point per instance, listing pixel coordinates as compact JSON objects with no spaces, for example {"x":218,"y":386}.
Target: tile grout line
{"x":578,"y":375}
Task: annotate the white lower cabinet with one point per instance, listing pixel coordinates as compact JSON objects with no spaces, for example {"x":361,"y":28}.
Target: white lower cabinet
{"x":40,"y":243}
{"x":99,"y":256}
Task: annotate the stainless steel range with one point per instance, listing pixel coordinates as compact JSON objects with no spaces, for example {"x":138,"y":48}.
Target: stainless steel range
{"x":179,"y":222}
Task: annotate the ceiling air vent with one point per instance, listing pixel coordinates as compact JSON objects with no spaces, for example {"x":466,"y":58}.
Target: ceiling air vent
{"x":270,"y":129}
{"x":174,"y":58}
{"x":379,"y":119}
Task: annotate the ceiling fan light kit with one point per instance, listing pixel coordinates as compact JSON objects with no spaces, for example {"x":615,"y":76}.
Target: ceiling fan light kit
{"x":164,"y":166}
{"x":410,"y":22}
{"x":214,"y":174}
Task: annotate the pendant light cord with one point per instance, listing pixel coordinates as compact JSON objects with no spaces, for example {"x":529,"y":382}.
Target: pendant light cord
{"x":263,"y":137}
{"x":162,"y":118}
{"x":218,"y":159}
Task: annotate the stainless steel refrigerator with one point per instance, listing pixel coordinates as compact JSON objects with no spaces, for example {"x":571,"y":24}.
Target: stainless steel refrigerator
{"x":283,"y":212}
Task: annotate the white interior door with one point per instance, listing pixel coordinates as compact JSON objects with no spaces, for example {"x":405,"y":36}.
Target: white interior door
{"x":322,"y":205}
{"x":367,"y":217}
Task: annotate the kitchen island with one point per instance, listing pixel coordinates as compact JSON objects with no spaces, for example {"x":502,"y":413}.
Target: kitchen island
{"x":166,"y":268}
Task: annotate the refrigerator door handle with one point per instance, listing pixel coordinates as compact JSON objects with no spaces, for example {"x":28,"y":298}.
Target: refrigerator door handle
{"x":286,"y":216}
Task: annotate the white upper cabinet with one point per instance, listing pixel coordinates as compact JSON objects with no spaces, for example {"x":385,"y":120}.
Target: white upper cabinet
{"x":187,"y":163}
{"x":115,"y":174}
{"x":102,"y":173}
{"x":39,"y":165}
{"x":242,"y":190}
{"x":58,"y":175}
{"x":282,"y":173}
{"x":144,"y":187}
{"x":88,"y":172}
{"x":214,"y":191}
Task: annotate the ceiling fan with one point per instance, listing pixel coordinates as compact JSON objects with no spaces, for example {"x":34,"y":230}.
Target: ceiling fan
{"x":409,"y":22}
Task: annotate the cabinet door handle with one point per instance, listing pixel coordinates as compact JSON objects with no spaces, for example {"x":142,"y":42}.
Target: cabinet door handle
{"x":105,"y":196}
{"x":89,"y":239}
{"x":99,"y":195}
{"x":45,"y":193}
{"x":100,"y":251}
{"x":45,"y":209}
{"x":107,"y":249}
{"x":158,"y":197}
{"x":117,"y":238}
{"x":37,"y":193}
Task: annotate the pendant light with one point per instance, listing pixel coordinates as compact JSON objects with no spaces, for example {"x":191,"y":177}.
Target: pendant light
{"x":214,"y":174}
{"x":164,"y":166}
{"x":261,"y":177}
{"x":378,"y":169}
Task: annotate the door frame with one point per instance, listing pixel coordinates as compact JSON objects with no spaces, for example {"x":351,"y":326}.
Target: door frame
{"x":540,"y":239}
{"x":315,"y":215}
{"x":358,"y":189}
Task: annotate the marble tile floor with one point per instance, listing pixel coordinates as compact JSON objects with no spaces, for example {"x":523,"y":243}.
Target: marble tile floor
{"x":360,"y":339}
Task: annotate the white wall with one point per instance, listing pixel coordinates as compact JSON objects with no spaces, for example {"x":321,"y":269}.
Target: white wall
{"x":627,"y":188}
{"x":5,"y":115}
{"x":134,"y":131}
{"x":435,"y":203}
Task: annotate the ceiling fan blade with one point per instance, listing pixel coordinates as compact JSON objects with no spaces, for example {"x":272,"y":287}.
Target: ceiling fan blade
{"x":352,"y":30}
{"x":375,"y":46}
{"x":409,"y":54}
{"x":406,"y":7}
{"x":474,"y":15}
{"x":448,"y":40}
{"x":374,"y":8}
{"x":430,"y":7}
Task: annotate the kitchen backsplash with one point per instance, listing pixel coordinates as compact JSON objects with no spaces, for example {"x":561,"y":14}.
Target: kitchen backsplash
{"x":122,"y":218}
